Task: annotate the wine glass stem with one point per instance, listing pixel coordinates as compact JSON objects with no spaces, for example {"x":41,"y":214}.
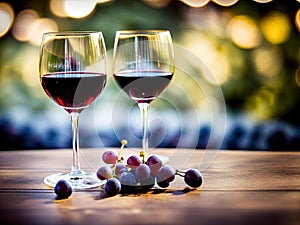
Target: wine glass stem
{"x":144,"y":111}
{"x":75,"y":143}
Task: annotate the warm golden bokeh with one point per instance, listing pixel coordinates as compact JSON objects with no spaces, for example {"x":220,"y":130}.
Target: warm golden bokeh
{"x":246,"y":51}
{"x":57,"y":8}
{"x":297,"y":76}
{"x":196,"y":3}
{"x":23,"y":24}
{"x":79,"y":9}
{"x":40,"y":26}
{"x":225,"y":2}
{"x":157,"y":3}
{"x":276,"y":27}
{"x":267,"y":61}
{"x":6,"y":17}
{"x":297,"y":19}
{"x":263,"y":1}
{"x":244,"y":32}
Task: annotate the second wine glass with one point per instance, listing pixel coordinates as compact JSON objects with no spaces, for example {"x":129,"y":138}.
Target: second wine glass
{"x":143,"y":67}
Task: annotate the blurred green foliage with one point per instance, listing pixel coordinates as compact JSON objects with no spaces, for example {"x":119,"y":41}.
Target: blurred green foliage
{"x":245,"y":90}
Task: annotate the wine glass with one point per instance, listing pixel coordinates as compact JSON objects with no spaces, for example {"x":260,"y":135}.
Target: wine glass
{"x":143,"y":67}
{"x":73,"y":73}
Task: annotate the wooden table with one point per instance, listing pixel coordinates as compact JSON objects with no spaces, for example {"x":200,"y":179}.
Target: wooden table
{"x":239,"y":188}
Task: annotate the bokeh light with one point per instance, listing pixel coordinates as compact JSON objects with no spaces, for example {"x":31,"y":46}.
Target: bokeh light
{"x":195,"y":3}
{"x":276,"y":27}
{"x":6,"y":17}
{"x":40,"y":26}
{"x":157,"y":3}
{"x":261,"y":104}
{"x":103,"y":1}
{"x":79,"y":9}
{"x":297,"y":19}
{"x":220,"y":68}
{"x":297,"y":76}
{"x":30,"y":27}
{"x":212,"y":56}
{"x":23,"y":22}
{"x":267,"y":61}
{"x":29,"y":72}
{"x":262,"y":1}
{"x":57,"y":8}
{"x":298,"y":56}
{"x":244,"y":32}
{"x":225,"y":2}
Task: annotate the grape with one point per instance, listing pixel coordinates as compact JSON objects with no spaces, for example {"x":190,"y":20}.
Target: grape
{"x":63,"y":189}
{"x":155,"y":163}
{"x":193,"y":178}
{"x":166,"y":173}
{"x":162,"y":183}
{"x":104,"y":172}
{"x":127,"y":178}
{"x":110,"y":157}
{"x":148,"y":183}
{"x":134,"y":161}
{"x":120,"y":168}
{"x":112,"y":186}
{"x":142,"y":172}
{"x":128,"y":182}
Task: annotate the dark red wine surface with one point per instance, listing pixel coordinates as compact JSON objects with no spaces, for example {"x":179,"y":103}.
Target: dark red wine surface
{"x":143,"y":86}
{"x":73,"y":90}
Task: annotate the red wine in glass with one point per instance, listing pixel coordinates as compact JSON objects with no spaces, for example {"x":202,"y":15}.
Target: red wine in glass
{"x":143,"y":67}
{"x":143,"y":86}
{"x":74,"y":91}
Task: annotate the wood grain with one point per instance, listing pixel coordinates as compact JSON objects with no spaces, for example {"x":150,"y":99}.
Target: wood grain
{"x":239,"y":187}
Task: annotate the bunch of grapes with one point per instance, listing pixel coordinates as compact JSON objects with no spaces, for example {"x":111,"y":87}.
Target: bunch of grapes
{"x":138,"y":174}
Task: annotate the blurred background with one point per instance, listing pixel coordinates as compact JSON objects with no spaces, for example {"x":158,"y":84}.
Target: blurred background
{"x":236,"y":85}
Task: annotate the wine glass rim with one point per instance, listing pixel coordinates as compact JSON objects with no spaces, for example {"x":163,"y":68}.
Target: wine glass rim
{"x":141,"y":31}
{"x":71,"y":33}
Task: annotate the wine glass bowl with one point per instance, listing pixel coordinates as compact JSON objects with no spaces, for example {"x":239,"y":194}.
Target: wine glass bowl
{"x":143,"y":67}
{"x":73,"y":74}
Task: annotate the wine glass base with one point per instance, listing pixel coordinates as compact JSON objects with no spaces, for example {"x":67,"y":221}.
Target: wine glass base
{"x":79,"y":181}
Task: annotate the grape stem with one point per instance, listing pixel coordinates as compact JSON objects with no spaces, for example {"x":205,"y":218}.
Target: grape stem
{"x":120,"y":158}
{"x":123,"y":142}
{"x":180,"y":172}
{"x":142,"y":155}
{"x":113,"y":170}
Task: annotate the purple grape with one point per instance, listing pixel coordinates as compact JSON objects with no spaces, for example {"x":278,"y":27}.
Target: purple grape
{"x":104,"y":172}
{"x":134,"y":161}
{"x":166,"y":173}
{"x":63,"y":189}
{"x":120,"y":168}
{"x":142,"y":172}
{"x":127,"y":178}
{"x":193,"y":178}
{"x":128,"y":182}
{"x":148,"y":183}
{"x":110,"y":157}
{"x":161,"y":183}
{"x":112,"y":186}
{"x":155,"y":163}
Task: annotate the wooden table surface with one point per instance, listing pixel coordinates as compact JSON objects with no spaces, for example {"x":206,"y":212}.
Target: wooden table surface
{"x":240,"y":187}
